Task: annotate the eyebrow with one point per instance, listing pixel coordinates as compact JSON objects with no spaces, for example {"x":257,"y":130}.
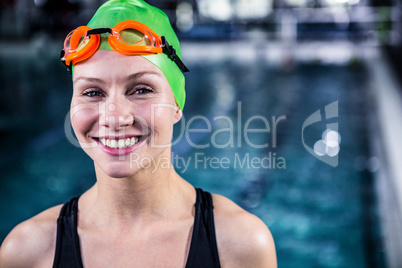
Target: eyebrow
{"x":141,"y":74}
{"x":88,"y":79}
{"x":127,"y":78}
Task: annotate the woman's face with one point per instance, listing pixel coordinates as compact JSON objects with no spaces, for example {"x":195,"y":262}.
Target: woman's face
{"x":122,"y":112}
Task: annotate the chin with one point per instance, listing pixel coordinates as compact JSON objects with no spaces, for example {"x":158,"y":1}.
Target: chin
{"x":119,"y":174}
{"x":119,"y":170}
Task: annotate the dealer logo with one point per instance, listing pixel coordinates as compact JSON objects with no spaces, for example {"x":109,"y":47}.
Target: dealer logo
{"x":327,"y":148}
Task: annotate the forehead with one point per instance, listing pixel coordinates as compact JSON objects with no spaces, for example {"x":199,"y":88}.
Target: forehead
{"x":114,"y":66}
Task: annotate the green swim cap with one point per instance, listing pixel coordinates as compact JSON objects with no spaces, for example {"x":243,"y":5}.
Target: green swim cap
{"x":114,"y":11}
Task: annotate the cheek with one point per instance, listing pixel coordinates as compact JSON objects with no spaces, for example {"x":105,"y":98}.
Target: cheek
{"x":163,"y":119}
{"x":165,"y":112}
{"x":159,"y":113}
{"x":83,"y":117}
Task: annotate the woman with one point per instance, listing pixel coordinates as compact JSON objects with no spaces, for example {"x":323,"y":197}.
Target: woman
{"x":127,"y":95}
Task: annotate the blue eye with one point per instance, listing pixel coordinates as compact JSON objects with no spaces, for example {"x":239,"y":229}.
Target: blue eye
{"x":93,"y":93}
{"x":142,"y":91}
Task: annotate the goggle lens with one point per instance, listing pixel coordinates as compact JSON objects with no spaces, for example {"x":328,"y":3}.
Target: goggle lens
{"x":73,"y":46}
{"x":75,"y":41}
{"x":133,"y":37}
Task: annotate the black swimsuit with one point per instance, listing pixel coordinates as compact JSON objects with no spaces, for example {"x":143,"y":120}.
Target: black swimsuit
{"x":203,"y":249}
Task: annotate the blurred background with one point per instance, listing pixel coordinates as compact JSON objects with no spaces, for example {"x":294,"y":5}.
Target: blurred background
{"x":272,"y":59}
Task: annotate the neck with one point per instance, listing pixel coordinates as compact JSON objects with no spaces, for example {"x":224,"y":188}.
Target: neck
{"x":151,"y":192}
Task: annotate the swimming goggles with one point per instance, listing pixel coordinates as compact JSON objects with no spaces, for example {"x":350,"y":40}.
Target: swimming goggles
{"x":127,"y":37}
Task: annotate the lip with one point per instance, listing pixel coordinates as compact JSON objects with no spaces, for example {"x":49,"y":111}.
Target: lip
{"x":117,"y":151}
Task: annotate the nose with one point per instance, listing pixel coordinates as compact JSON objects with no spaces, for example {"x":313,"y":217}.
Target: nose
{"x":117,"y":115}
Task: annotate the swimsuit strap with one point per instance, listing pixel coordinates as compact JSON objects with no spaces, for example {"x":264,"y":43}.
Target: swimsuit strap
{"x":203,"y":248}
{"x":68,"y":252}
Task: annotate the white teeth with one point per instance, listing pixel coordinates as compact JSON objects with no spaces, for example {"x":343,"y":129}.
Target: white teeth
{"x":120,"y":144}
{"x":113,"y":144}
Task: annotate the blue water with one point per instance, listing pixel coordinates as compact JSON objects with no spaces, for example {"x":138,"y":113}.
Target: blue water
{"x":319,"y":215}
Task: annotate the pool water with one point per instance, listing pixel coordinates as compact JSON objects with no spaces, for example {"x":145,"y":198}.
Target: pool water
{"x":245,"y":142}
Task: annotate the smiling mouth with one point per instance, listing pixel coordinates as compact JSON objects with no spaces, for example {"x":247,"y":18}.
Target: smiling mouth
{"x":121,"y":143}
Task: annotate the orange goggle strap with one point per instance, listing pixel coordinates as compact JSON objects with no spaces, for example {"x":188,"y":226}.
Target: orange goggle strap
{"x":158,"y":44}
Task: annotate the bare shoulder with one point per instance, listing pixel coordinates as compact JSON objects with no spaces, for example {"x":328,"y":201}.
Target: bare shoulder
{"x":243,"y":239}
{"x":32,"y":242}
